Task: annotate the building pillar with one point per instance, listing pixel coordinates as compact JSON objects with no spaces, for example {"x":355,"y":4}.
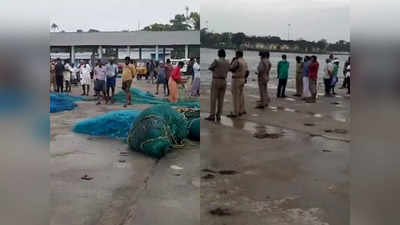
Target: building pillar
{"x":129,"y":51}
{"x":186,"y":51}
{"x":157,"y":51}
{"x":164,"y":55}
{"x":100,"y":51}
{"x":140,"y":53}
{"x":72,"y":54}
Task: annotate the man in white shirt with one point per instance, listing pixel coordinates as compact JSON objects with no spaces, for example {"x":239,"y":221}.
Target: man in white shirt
{"x":196,"y":81}
{"x":85,"y":78}
{"x":328,"y":72}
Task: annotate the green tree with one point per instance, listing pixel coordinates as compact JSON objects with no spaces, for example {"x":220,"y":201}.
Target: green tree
{"x":238,"y":39}
{"x":179,"y":23}
{"x":158,"y":27}
{"x":195,"y":20}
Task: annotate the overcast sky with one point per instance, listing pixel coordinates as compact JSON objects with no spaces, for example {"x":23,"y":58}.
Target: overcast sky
{"x":309,"y":19}
{"x":116,"y":15}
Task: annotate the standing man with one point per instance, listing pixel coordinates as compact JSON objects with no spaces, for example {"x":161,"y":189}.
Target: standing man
{"x":111,"y":72}
{"x":264,"y":66}
{"x":168,"y":71}
{"x":52,"y":76}
{"x":299,"y":76}
{"x":59,"y":69}
{"x":283,"y":73}
{"x":67,"y":76}
{"x":347,"y":63}
{"x":328,"y":69}
{"x":85,"y":71}
{"x":334,"y":75}
{"x":100,"y":82}
{"x":306,"y":89}
{"x":220,"y":68}
{"x":128,"y":73}
{"x":313,"y":76}
{"x":240,"y":71}
{"x":196,"y":82}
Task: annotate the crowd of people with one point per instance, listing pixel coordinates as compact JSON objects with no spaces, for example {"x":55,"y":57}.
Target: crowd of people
{"x":104,"y":75}
{"x":306,"y":78}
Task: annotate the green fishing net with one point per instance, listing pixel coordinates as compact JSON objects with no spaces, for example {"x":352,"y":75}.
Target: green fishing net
{"x":194,"y":129}
{"x":142,"y":97}
{"x":156,"y":130}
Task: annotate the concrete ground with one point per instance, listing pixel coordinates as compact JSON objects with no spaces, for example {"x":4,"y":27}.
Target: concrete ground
{"x":295,"y":173}
{"x":127,"y":188}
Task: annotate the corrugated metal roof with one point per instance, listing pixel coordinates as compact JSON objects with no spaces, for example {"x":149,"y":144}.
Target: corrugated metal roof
{"x":138,"y":38}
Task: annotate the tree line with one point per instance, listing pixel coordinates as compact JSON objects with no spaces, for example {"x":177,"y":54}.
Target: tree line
{"x":273,"y":43}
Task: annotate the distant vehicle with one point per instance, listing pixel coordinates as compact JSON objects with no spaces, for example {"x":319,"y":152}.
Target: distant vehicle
{"x":141,"y":70}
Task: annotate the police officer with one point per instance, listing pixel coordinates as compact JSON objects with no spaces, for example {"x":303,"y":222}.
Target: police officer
{"x":240,"y":72}
{"x":263,"y":76}
{"x":220,"y":68}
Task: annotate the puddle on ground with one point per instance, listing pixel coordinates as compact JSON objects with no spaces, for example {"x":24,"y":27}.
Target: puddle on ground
{"x":258,"y":130}
{"x":339,"y":116}
{"x":290,"y":99}
{"x":220,"y":212}
{"x":337,"y":131}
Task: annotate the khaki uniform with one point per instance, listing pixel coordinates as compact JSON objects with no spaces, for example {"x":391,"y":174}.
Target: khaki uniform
{"x":263,"y":77}
{"x":220,"y":68}
{"x":299,"y":79}
{"x":239,"y":69}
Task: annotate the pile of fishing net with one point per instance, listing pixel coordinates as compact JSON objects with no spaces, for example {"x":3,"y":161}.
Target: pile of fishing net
{"x":61,"y":102}
{"x":114,"y":124}
{"x":156,"y":130}
{"x":142,"y":97}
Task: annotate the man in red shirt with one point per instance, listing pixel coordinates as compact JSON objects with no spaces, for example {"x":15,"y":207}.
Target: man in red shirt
{"x":313,"y":77}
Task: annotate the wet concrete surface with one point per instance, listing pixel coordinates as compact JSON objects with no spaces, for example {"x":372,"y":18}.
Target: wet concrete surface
{"x":122,"y":182}
{"x":299,"y":177}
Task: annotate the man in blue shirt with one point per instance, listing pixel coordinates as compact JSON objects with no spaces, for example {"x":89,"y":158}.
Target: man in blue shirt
{"x":306,"y":89}
{"x":111,"y":72}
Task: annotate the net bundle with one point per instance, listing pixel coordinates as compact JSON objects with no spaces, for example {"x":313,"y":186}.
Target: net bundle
{"x":61,"y":102}
{"x":156,"y":130}
{"x":114,"y":124}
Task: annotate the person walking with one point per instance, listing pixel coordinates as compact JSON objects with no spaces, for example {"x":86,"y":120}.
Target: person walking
{"x":67,"y":76}
{"x":220,"y":68}
{"x":299,"y":76}
{"x":240,"y":71}
{"x":111,"y":72}
{"x":305,"y":70}
{"x":264,"y":66}
{"x":100,"y":82}
{"x":59,"y":70}
{"x":174,"y":80}
{"x":328,"y":72}
{"x":313,"y":77}
{"x":85,"y":71}
{"x":196,"y":82}
{"x":283,"y":73}
{"x":128,"y":74}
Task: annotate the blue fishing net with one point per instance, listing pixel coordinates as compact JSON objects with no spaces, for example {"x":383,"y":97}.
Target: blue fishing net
{"x":142,"y":97}
{"x":61,"y":102}
{"x":114,"y":124}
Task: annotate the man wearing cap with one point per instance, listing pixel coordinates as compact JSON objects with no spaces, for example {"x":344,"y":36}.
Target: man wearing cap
{"x":240,"y":72}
